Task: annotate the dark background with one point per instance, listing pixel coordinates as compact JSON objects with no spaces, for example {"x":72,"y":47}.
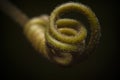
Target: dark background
{"x":20,"y":61}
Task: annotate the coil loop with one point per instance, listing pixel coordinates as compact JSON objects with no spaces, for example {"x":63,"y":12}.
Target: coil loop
{"x":67,"y":39}
{"x":60,"y":39}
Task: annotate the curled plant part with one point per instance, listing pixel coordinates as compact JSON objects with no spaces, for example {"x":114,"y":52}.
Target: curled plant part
{"x":61,"y":39}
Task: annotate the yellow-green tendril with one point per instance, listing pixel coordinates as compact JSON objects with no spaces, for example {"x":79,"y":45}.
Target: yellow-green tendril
{"x":60,"y":39}
{"x":92,"y":19}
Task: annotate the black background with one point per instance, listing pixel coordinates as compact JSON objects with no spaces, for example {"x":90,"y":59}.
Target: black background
{"x":20,"y":61}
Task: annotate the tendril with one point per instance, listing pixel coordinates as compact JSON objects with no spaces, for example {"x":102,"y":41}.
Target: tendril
{"x":60,"y":40}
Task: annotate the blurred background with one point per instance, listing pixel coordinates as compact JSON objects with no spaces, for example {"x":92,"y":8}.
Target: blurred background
{"x":20,"y":60}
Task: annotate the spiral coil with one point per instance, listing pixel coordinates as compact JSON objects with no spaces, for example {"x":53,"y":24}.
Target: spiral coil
{"x":60,"y":40}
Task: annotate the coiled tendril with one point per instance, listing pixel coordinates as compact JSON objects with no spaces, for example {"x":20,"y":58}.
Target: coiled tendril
{"x":61,"y":39}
